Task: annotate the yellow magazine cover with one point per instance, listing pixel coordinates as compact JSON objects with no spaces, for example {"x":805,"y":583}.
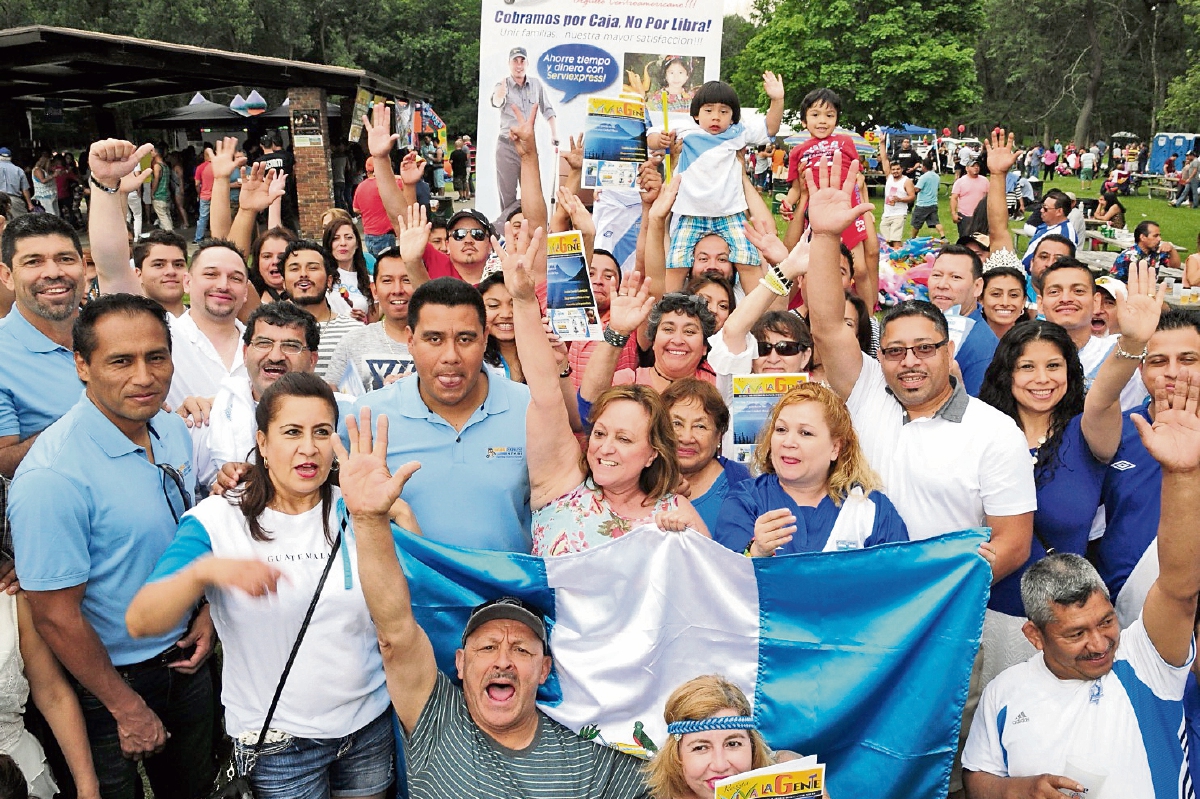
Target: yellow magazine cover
{"x":801,"y":779}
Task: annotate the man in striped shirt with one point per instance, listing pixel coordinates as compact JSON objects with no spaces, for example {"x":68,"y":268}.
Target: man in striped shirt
{"x":484,"y":738}
{"x":308,"y":275}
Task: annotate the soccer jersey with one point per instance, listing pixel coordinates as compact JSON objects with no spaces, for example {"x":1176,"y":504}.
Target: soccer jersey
{"x":1122,"y":731}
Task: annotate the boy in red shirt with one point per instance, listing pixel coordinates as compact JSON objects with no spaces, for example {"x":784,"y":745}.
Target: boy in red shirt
{"x":820,"y":109}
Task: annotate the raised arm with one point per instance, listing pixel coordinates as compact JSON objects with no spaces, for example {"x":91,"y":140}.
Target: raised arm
{"x":579,"y":218}
{"x":1000,"y":159}
{"x":627,"y":312}
{"x":380,"y":142}
{"x":551,"y":449}
{"x":829,"y":213}
{"x":1137,"y":319}
{"x":112,"y":163}
{"x":764,"y":296}
{"x":654,"y":219}
{"x":533,"y":200}
{"x":412,"y":236}
{"x":773,"y":86}
{"x":225,"y":161}
{"x":371,"y":492}
{"x":650,"y":184}
{"x":560,"y":220}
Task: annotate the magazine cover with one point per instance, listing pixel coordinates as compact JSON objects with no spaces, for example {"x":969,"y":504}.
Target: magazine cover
{"x":802,"y":778}
{"x":570,"y":304}
{"x":614,"y":143}
{"x":754,"y":396}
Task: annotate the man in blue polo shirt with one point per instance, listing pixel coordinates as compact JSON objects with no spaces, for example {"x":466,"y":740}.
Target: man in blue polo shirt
{"x":957,"y":280}
{"x":466,"y":427}
{"x":95,"y":502}
{"x":1125,"y":555}
{"x":41,"y":262}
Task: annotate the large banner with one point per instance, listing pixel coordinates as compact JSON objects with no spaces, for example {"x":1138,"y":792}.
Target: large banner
{"x":560,"y":53}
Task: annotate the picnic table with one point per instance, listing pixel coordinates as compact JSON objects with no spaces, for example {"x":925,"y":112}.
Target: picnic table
{"x":1156,"y":184}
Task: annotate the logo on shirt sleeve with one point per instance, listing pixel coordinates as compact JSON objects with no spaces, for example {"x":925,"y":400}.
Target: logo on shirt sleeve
{"x":505,"y":453}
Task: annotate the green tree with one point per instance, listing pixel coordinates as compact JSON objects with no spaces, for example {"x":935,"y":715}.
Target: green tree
{"x":736,"y":32}
{"x":892,"y":61}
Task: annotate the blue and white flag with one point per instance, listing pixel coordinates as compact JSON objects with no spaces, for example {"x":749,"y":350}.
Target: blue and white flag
{"x":861,"y":657}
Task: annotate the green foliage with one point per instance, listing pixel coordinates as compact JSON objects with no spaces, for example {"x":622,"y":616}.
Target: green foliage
{"x":892,"y":61}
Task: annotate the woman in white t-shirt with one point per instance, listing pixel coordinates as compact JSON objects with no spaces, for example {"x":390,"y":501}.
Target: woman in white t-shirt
{"x":342,"y":240}
{"x":257,"y":555}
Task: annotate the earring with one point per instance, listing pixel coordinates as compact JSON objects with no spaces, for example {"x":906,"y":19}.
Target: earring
{"x":335,"y":465}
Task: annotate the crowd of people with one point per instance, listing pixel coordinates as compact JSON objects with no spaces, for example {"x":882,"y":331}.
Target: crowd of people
{"x":182,"y":426}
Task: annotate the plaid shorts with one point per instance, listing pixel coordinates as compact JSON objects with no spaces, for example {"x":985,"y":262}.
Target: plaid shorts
{"x":686,"y":232}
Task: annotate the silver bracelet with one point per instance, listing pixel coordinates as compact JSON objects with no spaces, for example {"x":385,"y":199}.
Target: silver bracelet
{"x":1130,"y":356}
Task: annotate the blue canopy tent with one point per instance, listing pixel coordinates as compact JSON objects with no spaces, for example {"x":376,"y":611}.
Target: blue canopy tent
{"x":910,"y":130}
{"x":1167,"y":144}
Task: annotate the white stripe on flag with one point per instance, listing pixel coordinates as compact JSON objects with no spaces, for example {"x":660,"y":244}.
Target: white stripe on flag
{"x":636,"y":618}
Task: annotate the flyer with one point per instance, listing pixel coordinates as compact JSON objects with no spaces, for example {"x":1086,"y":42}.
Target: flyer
{"x":792,"y":779}
{"x":549,"y":57}
{"x":570,"y":304}
{"x":614,"y":142}
{"x":754,"y":397}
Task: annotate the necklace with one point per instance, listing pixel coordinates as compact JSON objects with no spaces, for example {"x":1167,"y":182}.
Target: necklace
{"x":1033,"y":451}
{"x":660,"y":374}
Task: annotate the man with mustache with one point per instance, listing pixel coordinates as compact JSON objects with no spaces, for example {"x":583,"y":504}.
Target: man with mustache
{"x":949,"y":461}
{"x":956,"y":280}
{"x":308,"y":275}
{"x":206,"y":340}
{"x":1099,"y":710}
{"x":486,"y":739}
{"x":41,"y":262}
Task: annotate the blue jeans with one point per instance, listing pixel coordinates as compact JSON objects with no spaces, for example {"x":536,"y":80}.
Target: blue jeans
{"x":184,"y":703}
{"x":202,"y":222}
{"x":376,"y":244}
{"x":359,"y":764}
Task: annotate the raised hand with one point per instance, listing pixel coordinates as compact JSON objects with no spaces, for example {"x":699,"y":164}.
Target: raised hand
{"x":380,"y":139}
{"x":829,"y":208}
{"x":796,"y":263}
{"x":368,"y":487}
{"x":276,"y":184}
{"x":773,"y":85}
{"x":1000,"y":154}
{"x":412,"y":169}
{"x":226,"y":158}
{"x":762,"y":235}
{"x":649,"y":179}
{"x":521,"y":134}
{"x":581,"y":219}
{"x":630,"y":307}
{"x":1174,"y":437}
{"x":516,"y":258}
{"x":112,"y":159}
{"x":413,"y":235}
{"x":574,"y":152}
{"x":1137,"y":314}
{"x":259,"y":188}
{"x":666,"y":198}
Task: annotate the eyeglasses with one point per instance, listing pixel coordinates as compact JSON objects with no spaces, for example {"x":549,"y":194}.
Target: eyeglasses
{"x":785,"y":348}
{"x":185,"y":501}
{"x":289,"y":347}
{"x":479,"y":234}
{"x":922,"y":351}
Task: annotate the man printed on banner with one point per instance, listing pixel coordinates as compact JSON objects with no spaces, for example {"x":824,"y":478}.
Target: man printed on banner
{"x":524,"y":93}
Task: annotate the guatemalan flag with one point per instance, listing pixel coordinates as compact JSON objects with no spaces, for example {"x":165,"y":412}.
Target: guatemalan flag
{"x":860,"y":657}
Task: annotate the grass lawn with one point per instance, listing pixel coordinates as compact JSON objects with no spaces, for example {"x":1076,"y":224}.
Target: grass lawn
{"x":1179,"y":225}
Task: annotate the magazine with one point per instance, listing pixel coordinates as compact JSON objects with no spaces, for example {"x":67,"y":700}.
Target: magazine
{"x":803,"y":779}
{"x":754,"y":397}
{"x":614,"y":143}
{"x":570,"y":303}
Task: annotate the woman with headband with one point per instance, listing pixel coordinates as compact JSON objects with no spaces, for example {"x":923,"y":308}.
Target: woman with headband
{"x":711,"y":735}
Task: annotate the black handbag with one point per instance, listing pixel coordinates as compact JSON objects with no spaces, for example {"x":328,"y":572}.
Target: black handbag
{"x":229,"y":784}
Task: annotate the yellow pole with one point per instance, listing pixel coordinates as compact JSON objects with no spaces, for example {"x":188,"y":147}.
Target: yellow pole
{"x":666,"y":129}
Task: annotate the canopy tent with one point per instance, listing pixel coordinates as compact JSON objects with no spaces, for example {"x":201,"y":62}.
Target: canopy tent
{"x":195,"y":115}
{"x":863,"y":146}
{"x":909,"y":130}
{"x":1167,"y":144}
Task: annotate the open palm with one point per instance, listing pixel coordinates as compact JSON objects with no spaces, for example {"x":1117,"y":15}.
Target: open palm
{"x":831,"y":209}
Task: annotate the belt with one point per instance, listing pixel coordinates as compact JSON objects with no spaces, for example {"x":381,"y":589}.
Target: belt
{"x":160,"y":661}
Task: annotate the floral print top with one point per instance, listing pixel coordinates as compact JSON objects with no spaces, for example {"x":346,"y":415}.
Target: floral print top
{"x":582,"y":518}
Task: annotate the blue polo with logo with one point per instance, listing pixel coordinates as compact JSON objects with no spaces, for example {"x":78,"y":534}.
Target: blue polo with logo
{"x":87,"y":507}
{"x":38,"y":381}
{"x":473,"y":486}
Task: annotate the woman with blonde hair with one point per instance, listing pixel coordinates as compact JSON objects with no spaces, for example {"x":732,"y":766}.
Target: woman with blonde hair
{"x":711,"y":735}
{"x":815,"y":491}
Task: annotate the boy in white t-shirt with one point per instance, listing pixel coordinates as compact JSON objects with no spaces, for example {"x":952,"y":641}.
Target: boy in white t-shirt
{"x":1099,"y":711}
{"x":711,"y":196}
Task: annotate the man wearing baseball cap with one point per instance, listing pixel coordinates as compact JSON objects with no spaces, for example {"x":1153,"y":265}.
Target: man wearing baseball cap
{"x":15,"y":184}
{"x":484,"y":738}
{"x":524,"y":93}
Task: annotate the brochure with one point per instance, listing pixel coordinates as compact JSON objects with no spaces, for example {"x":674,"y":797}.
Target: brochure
{"x":754,"y":397}
{"x":570,"y":304}
{"x":803,"y":778}
{"x":614,"y":143}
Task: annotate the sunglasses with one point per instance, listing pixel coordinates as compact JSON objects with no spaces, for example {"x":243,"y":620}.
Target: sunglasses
{"x":922,"y":351}
{"x":785,"y":348}
{"x":171,"y":476}
{"x":476,"y":233}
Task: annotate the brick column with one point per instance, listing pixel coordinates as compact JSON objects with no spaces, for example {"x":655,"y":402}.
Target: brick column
{"x":310,"y":137}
